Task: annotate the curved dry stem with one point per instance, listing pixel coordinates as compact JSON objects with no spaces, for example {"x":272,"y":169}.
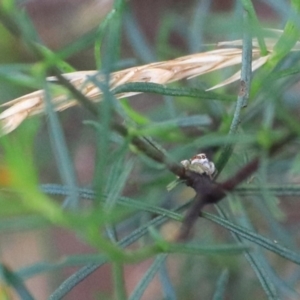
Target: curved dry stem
{"x":159,"y":72}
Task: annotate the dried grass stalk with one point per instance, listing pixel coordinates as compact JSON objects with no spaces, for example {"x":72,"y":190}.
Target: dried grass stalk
{"x":158,"y":72}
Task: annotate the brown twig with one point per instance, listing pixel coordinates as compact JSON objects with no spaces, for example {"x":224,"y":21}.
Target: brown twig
{"x":210,"y":192}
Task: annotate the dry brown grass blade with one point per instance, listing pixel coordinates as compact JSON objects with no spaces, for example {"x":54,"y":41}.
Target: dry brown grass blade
{"x":255,"y":65}
{"x":159,"y":72}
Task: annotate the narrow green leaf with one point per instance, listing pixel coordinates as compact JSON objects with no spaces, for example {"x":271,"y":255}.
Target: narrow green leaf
{"x":161,"y":128}
{"x":255,"y":238}
{"x":60,"y":150}
{"x":137,"y":39}
{"x":148,"y":87}
{"x":219,"y":293}
{"x":55,"y":189}
{"x":88,"y":39}
{"x":206,"y":250}
{"x":15,"y":281}
{"x":148,"y":277}
{"x":118,"y":275}
{"x":276,"y":190}
{"x":166,"y":284}
{"x":290,"y":36}
{"x":117,"y":181}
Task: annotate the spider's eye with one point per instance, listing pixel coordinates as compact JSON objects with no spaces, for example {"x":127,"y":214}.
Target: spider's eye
{"x":199,"y":156}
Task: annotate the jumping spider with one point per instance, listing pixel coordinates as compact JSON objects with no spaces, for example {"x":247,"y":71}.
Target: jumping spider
{"x":199,"y":164}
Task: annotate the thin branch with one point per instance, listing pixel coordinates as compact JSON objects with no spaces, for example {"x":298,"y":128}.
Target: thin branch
{"x":209,"y":192}
{"x":243,"y":95}
{"x":252,"y":18}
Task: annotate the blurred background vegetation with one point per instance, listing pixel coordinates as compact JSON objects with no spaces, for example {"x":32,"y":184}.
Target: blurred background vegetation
{"x":60,"y":242}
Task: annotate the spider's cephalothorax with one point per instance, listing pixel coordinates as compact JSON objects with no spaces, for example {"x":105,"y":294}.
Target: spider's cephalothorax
{"x":199,"y":164}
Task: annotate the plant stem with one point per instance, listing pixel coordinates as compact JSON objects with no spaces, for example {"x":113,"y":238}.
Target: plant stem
{"x":243,"y":95}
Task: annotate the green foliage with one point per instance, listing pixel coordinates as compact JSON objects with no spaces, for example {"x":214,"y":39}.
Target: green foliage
{"x":247,"y":238}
